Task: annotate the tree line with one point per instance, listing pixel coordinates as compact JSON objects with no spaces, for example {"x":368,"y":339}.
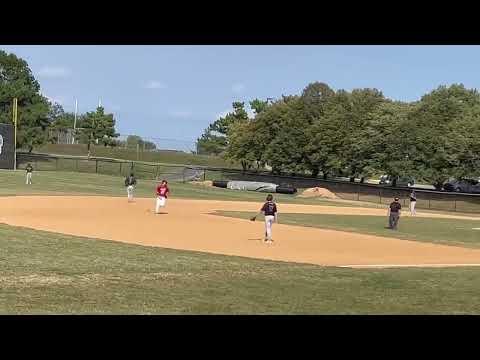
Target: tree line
{"x":37,"y":115}
{"x":357,"y":134}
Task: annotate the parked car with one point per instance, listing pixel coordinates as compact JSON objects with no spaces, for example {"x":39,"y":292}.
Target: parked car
{"x":470,"y":186}
{"x":401,"y":181}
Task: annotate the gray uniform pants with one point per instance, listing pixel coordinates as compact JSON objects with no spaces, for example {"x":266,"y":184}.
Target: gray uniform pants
{"x":393,"y":220}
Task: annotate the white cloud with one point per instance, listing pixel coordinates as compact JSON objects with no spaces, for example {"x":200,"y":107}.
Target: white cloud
{"x":153,"y":84}
{"x":181,"y":113}
{"x":238,"y":88}
{"x":54,"y":72}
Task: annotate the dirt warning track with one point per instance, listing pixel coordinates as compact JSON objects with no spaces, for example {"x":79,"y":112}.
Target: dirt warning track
{"x":189,"y":225}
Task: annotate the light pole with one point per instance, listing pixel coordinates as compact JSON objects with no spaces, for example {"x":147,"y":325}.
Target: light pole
{"x":15,"y":119}
{"x":75,"y":121}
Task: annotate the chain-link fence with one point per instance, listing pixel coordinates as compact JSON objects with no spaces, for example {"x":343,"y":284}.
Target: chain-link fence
{"x":426,"y":199}
{"x":380,"y":194}
{"x":105,"y":166}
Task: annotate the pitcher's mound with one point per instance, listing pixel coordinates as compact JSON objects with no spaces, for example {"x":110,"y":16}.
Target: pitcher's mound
{"x":318,"y":192}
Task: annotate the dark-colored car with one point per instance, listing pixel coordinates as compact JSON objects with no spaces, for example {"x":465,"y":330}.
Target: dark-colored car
{"x":401,"y":181}
{"x":469,"y":186}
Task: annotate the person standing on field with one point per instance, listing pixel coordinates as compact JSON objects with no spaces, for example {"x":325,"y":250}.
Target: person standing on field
{"x":29,"y":170}
{"x":162,"y":194}
{"x":130,"y":183}
{"x":413,"y":202}
{"x":394,"y":214}
{"x":269,"y":210}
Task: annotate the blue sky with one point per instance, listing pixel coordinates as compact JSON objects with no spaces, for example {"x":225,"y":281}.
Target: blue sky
{"x":176,"y":91}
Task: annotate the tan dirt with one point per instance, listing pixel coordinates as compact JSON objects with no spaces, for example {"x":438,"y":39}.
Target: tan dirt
{"x":208,"y":183}
{"x":318,"y":192}
{"x":189,"y":225}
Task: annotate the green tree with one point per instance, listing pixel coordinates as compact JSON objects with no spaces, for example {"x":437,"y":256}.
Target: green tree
{"x":17,"y":80}
{"x":98,"y":127}
{"x":286,"y":151}
{"x":258,"y":106}
{"x":441,"y":124}
{"x":392,"y":140}
{"x":211,"y":144}
{"x":327,"y":135}
{"x":214,"y":140}
{"x":356,"y":151}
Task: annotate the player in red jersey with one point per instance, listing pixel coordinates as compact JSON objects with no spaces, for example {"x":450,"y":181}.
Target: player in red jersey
{"x":162,"y":194}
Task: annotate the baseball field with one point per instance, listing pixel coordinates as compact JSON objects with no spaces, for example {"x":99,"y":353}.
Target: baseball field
{"x":71,"y":243}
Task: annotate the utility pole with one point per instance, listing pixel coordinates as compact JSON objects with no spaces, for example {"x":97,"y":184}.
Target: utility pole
{"x":15,"y":119}
{"x":75,"y":121}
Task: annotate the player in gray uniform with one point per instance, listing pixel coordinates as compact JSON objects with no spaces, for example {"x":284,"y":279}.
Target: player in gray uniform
{"x":413,"y":202}
{"x":29,"y":170}
{"x":130,"y":183}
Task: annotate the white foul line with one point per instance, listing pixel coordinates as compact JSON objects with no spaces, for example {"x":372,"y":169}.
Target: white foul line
{"x":406,"y":265}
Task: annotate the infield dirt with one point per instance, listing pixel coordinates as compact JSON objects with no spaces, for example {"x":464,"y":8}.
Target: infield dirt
{"x":190,"y":225}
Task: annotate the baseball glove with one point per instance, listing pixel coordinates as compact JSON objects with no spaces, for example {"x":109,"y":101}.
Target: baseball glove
{"x":253,"y":218}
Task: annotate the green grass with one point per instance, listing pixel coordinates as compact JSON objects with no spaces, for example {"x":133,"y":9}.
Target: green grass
{"x":442,"y":231}
{"x":59,"y":182}
{"x":161,"y":156}
{"x":47,"y":273}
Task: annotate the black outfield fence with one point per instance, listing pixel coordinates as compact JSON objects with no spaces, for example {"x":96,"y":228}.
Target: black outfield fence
{"x":426,"y":199}
{"x":380,"y":194}
{"x":142,"y":170}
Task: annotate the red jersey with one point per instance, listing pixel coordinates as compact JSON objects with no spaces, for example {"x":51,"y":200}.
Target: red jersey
{"x":162,"y":190}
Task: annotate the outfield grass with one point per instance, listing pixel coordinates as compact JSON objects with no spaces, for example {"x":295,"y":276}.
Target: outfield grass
{"x":456,"y":232}
{"x":59,"y":182}
{"x":46,"y":273}
{"x":161,"y":156}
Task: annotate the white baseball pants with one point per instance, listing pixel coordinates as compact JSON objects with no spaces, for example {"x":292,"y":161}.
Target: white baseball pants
{"x":29,"y":179}
{"x":269,"y":220}
{"x":412,"y":207}
{"x":161,"y":202}
{"x":130,"y":192}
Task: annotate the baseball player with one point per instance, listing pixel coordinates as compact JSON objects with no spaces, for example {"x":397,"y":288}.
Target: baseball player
{"x":29,"y":170}
{"x":394,"y":214}
{"x":413,"y":202}
{"x":130,"y":183}
{"x":162,"y":194}
{"x":269,"y":209}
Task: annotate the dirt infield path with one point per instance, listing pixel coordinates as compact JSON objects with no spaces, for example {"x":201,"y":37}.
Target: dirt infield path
{"x":189,"y":226}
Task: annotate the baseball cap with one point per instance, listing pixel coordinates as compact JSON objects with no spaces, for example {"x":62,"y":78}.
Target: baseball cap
{"x":396,"y":199}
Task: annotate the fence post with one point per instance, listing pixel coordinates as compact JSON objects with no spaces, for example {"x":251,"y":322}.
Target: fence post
{"x":455,"y":204}
{"x":120,"y":168}
{"x":96,"y":166}
{"x":429,"y":207}
{"x":56,"y":164}
{"x":204,"y":175}
{"x":380,"y":195}
{"x":76,"y":164}
{"x":183,"y":175}
{"x":157,"y":170}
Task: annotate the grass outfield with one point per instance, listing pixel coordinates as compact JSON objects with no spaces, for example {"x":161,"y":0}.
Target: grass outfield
{"x":161,"y":156}
{"x":456,"y":232}
{"x":58,"y":182}
{"x":46,"y":273}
